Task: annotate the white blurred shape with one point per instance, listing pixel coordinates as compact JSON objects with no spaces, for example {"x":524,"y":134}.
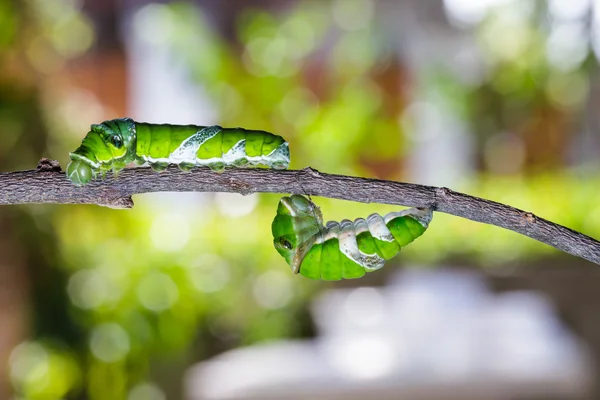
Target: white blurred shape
{"x":465,"y":11}
{"x":337,"y":312}
{"x":470,"y":12}
{"x":247,"y":372}
{"x":448,"y":289}
{"x":234,"y":205}
{"x":569,"y":9}
{"x":441,"y":151}
{"x":161,"y":89}
{"x":524,"y":335}
{"x":567,"y":45}
{"x":427,"y":303}
{"x":364,"y":306}
{"x":363,"y":356}
{"x":170,"y":232}
{"x":436,"y":330}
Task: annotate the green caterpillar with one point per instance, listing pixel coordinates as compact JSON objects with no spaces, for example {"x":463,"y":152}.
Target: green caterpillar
{"x":341,"y":250}
{"x":113,"y":144}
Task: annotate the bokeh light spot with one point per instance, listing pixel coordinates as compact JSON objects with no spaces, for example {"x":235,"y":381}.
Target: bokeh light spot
{"x":155,"y":24}
{"x":146,"y":391}
{"x":157,"y":291}
{"x":73,"y":36}
{"x":43,"y":57}
{"x":273,"y":289}
{"x":209,"y":273}
{"x":39,"y":371}
{"x":109,"y":342}
{"x":301,"y":33}
{"x":29,"y":363}
{"x":567,"y":90}
{"x":88,"y":289}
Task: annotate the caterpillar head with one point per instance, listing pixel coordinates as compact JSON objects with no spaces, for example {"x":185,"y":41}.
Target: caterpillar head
{"x":295,"y":228}
{"x":109,"y":145}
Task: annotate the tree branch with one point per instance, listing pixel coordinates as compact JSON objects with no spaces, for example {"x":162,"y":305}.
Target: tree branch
{"x":48,"y":184}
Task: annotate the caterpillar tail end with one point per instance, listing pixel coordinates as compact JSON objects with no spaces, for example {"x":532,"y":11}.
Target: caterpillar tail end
{"x":423,"y":215}
{"x":280,"y":157}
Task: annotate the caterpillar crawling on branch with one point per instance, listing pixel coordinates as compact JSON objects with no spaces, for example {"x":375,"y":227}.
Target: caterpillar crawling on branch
{"x":113,"y":144}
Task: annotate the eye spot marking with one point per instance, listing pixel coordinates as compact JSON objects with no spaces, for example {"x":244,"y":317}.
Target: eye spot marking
{"x":286,"y":244}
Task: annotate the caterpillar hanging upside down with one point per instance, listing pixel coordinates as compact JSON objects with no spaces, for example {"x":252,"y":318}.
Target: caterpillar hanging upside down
{"x":341,"y":250}
{"x":113,"y":144}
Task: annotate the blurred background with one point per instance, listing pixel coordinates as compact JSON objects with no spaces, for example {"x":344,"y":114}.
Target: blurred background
{"x":185,"y":297}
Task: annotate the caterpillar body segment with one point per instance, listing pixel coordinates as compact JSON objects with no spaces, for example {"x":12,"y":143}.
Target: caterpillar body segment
{"x":344,"y":250}
{"x":113,"y":144}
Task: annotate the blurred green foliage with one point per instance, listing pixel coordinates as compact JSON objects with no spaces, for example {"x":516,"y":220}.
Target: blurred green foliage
{"x":188,"y":275}
{"x":321,"y":96}
{"x":528,"y":95}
